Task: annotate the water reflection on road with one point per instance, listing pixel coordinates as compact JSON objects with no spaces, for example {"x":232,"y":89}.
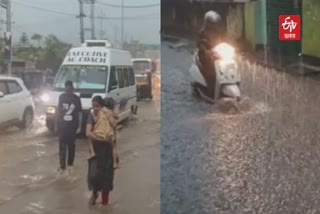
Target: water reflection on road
{"x":29,"y":160}
{"x":262,"y":161}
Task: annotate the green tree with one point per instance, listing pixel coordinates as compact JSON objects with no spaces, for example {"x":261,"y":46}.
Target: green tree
{"x":54,"y":52}
{"x":48,"y":55}
{"x":24,"y":40}
{"x":37,"y":38}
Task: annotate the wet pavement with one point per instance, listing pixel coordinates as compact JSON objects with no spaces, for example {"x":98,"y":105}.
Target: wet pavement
{"x":262,"y":161}
{"x":29,"y":160}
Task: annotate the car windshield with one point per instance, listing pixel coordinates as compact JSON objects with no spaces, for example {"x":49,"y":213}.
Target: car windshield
{"x":141,"y":78}
{"x":141,"y":66}
{"x":83,"y":77}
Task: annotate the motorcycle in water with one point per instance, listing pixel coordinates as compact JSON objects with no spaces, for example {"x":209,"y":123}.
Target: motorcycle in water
{"x":227,"y":84}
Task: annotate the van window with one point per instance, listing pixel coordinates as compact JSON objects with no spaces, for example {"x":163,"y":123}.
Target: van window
{"x":120,"y":77}
{"x":126,"y":77}
{"x":14,"y":87}
{"x":3,"y":87}
{"x":140,"y":66}
{"x":131,"y":76}
{"x":84,"y":77}
{"x":113,"y":83}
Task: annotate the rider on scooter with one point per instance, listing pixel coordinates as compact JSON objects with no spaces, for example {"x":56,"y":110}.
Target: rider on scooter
{"x":210,"y":35}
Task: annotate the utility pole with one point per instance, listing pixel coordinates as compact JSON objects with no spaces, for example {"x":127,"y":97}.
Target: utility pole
{"x":101,"y":19}
{"x":8,"y":36}
{"x":92,"y":18}
{"x":122,"y":22}
{"x":115,"y":35}
{"x":81,"y":16}
{"x":101,"y":26}
{"x":93,"y":30}
{"x":126,"y":37}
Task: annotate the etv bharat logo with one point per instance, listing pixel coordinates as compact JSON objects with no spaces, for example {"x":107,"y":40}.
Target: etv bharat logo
{"x":289,"y":27}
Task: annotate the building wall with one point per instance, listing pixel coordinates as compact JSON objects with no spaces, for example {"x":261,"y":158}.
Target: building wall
{"x":286,"y":52}
{"x":184,"y":18}
{"x":261,"y":22}
{"x":235,"y":21}
{"x":311,"y":27}
{"x":249,"y":20}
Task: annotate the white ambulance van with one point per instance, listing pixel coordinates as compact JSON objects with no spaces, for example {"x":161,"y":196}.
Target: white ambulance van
{"x":95,"y":69}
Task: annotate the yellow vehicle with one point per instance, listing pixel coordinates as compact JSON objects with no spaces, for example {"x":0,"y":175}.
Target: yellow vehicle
{"x":143,"y":69}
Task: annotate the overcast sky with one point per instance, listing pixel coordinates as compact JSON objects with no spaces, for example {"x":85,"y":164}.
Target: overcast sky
{"x":29,"y":17}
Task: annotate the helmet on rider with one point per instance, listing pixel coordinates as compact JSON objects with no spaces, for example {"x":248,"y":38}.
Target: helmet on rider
{"x":212,"y":17}
{"x":213,"y":24}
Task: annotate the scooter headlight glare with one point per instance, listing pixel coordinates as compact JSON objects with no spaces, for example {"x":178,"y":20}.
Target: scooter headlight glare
{"x":225,"y":51}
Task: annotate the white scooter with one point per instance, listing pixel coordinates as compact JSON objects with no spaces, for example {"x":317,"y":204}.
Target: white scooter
{"x":227,"y":83}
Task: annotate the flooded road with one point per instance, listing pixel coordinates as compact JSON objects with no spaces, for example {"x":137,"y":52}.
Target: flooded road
{"x":29,"y":160}
{"x":263,"y":161}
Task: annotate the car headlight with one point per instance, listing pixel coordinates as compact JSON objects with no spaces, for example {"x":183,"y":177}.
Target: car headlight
{"x":51,"y":110}
{"x":45,"y":98}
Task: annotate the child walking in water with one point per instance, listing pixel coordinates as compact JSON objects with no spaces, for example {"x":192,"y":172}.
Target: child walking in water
{"x":109,"y":103}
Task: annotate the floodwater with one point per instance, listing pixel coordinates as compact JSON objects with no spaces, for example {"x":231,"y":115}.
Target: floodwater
{"x":29,"y":160}
{"x":263,"y":161}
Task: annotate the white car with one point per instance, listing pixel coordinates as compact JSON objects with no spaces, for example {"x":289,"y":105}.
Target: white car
{"x":16,"y":103}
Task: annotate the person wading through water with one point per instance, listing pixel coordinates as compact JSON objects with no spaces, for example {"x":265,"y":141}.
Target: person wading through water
{"x":210,"y":35}
{"x":102,"y":138}
{"x":68,"y":124}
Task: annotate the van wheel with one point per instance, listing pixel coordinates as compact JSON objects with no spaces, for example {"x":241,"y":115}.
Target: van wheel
{"x":27,"y":119}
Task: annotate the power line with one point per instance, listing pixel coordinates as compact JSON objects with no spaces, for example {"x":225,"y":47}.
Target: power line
{"x":147,"y":16}
{"x":127,"y":6}
{"x":45,"y":9}
{"x":130,"y":19}
{"x":44,"y":22}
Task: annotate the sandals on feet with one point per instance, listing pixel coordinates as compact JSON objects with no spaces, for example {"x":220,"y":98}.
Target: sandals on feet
{"x":93,"y":199}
